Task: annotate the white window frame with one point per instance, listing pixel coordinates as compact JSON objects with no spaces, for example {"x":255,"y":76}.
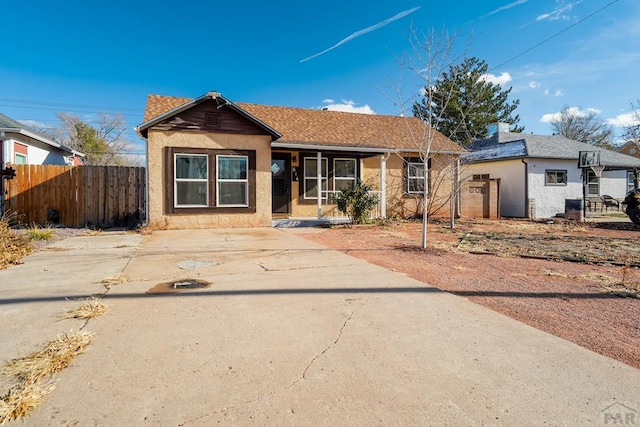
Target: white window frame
{"x":592,"y":180}
{"x":352,"y":179}
{"x":226,"y":180}
{"x":631,"y":185}
{"x":24,"y":156}
{"x":416,"y":178}
{"x":324,"y":180}
{"x":176,"y":180}
{"x":556,"y":173}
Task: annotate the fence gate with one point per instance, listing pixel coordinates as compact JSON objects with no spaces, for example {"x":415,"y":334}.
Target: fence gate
{"x":77,"y":196}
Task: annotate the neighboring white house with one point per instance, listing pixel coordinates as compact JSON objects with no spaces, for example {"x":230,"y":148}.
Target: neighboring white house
{"x":21,"y":145}
{"x":538,"y":173}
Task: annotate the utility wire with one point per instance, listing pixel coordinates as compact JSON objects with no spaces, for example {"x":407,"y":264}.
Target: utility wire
{"x":553,"y":36}
{"x":58,"y":104}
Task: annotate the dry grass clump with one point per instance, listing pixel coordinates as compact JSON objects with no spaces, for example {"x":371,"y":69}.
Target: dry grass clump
{"x":92,"y":307}
{"x":114,"y":279}
{"x":22,"y":399}
{"x":54,"y":357}
{"x":30,"y":370}
{"x":12,"y":245}
{"x":36,"y":232}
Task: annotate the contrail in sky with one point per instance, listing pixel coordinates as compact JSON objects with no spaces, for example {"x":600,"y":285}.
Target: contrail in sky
{"x":365,"y":31}
{"x":506,"y":7}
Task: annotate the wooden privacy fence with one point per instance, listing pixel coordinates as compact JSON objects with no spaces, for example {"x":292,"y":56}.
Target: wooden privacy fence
{"x":77,"y":196}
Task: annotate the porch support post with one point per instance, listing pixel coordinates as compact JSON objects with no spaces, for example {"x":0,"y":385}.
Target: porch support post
{"x":383,"y":184}
{"x":319,"y":182}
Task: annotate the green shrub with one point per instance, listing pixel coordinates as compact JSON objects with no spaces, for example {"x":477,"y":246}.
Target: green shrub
{"x":357,"y":202}
{"x":35,"y":232}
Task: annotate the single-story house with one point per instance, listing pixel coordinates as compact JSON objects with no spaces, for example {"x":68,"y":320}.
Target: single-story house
{"x":216,"y":163}
{"x":21,"y":145}
{"x":631,"y":148}
{"x":538,"y":173}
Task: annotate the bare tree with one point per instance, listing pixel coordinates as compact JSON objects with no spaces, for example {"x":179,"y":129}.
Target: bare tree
{"x":432,"y":54}
{"x":103,"y":144}
{"x":632,"y":131}
{"x":584,"y":127}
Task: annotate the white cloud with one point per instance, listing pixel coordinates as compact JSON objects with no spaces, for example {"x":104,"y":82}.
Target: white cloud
{"x":328,"y":101}
{"x":559,"y":12}
{"x":365,"y":31}
{"x":500,"y":80}
{"x":574,"y":111}
{"x":347,"y":106}
{"x":533,"y":84}
{"x":626,"y":119}
{"x":557,"y":93}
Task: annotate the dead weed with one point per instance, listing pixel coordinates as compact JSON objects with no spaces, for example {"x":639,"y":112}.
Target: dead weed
{"x":91,"y":308}
{"x":114,"y":279}
{"x":22,"y":399}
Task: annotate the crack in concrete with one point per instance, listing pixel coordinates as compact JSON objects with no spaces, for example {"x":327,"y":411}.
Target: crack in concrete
{"x":272,"y":393}
{"x":304,"y":374}
{"x":303,"y":268}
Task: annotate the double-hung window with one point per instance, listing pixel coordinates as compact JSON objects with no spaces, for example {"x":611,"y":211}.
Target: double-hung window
{"x":344,"y":174}
{"x":555,"y":177}
{"x":201,"y":180}
{"x":593,"y":184}
{"x":191,"y":184}
{"x":311,"y":177}
{"x":631,"y":185}
{"x":415,"y":178}
{"x":232,"y":181}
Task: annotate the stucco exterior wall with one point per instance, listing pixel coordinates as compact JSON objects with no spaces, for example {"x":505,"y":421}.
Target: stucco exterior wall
{"x":513,"y":201}
{"x":549,"y":200}
{"x":404,"y":205}
{"x":614,"y":184}
{"x":158,"y":140}
{"x":545,"y":201}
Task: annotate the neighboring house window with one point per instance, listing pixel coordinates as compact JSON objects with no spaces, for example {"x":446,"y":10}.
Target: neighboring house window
{"x":191,"y":184}
{"x":344,"y":174}
{"x":479,"y":177}
{"x":311,"y":177}
{"x":556,"y":177}
{"x":593,"y":184}
{"x":414,"y":177}
{"x":631,"y":185}
{"x":21,"y":159}
{"x":233,"y":182}
{"x":201,"y":180}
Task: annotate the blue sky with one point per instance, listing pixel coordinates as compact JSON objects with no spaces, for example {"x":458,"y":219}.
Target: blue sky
{"x":87,"y":57}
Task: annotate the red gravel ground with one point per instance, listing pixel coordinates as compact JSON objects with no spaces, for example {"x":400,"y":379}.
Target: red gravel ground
{"x":578,"y":301}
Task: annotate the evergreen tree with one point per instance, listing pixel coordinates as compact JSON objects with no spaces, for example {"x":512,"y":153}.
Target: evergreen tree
{"x":463,"y":103}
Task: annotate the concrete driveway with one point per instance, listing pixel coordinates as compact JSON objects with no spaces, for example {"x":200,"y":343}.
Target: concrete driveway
{"x":290,"y":333}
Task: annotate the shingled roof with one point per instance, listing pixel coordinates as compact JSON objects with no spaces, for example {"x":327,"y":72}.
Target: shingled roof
{"x":300,"y":126}
{"x":511,"y":145}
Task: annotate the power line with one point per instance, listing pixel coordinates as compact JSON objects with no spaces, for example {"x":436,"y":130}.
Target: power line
{"x":59,"y":104}
{"x":553,"y":35}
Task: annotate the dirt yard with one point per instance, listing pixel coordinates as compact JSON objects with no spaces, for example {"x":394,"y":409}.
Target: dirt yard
{"x":578,"y":282}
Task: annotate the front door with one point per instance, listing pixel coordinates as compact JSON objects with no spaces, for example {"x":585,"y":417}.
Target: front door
{"x":280,"y":183}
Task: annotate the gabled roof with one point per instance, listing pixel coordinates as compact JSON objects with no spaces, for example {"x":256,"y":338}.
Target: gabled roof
{"x":157,"y":104}
{"x":510,"y":145}
{"x":300,"y":127}
{"x":9,"y":125}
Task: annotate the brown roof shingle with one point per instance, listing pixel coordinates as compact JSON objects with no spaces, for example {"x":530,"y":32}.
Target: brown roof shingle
{"x":329,"y":128}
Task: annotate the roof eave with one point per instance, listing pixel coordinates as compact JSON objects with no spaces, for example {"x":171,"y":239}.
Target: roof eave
{"x":47,"y":141}
{"x":142,"y":128}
